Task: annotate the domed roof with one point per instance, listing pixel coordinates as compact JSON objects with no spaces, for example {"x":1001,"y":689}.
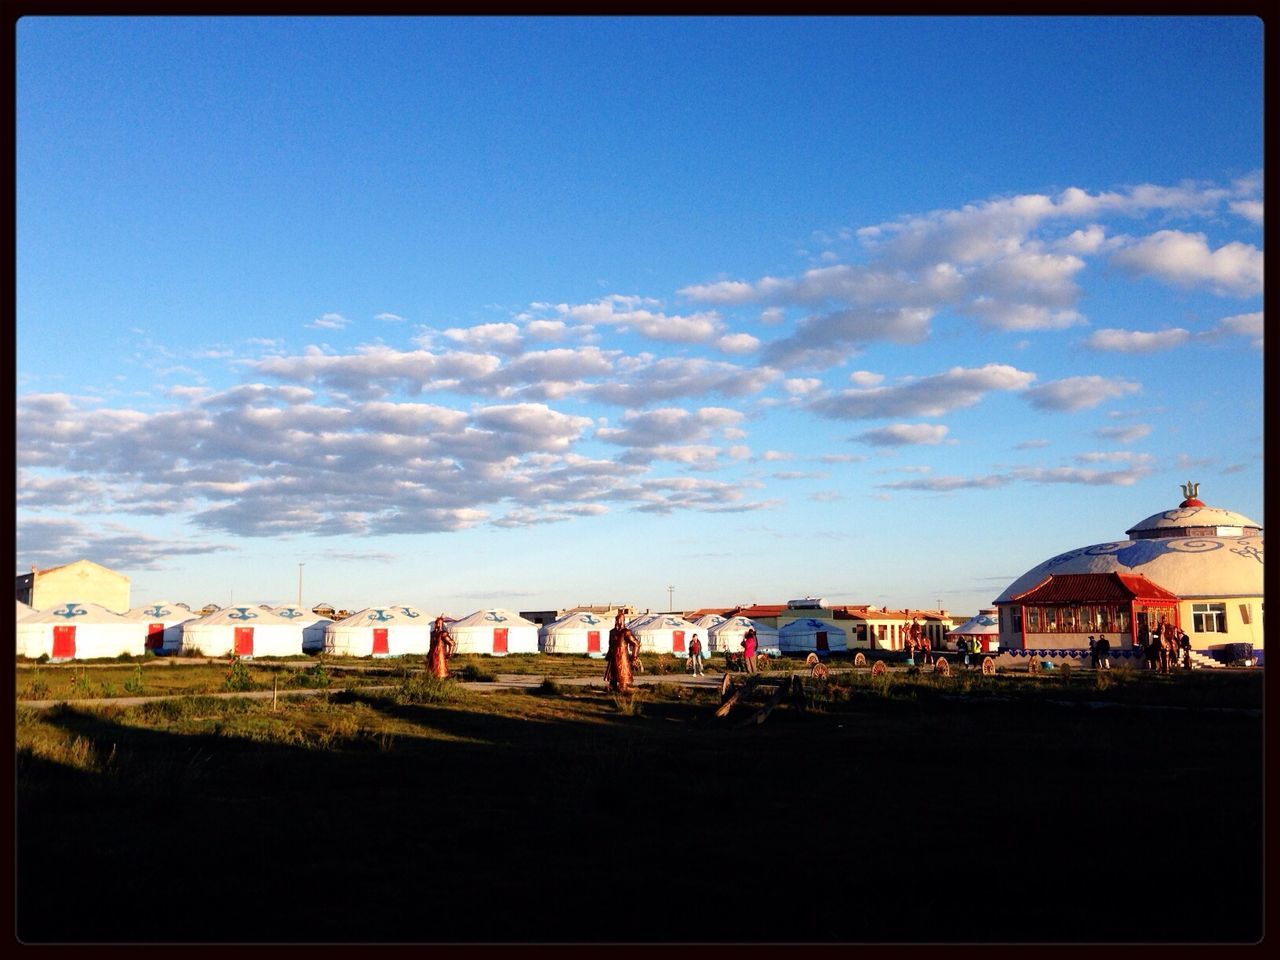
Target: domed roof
{"x":1192,"y":518}
{"x":1188,"y":566}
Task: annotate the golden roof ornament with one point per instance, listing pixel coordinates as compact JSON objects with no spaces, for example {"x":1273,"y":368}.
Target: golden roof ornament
{"x":1190,"y":491}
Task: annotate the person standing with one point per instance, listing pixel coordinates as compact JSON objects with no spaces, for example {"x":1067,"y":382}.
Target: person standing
{"x":440,"y":649}
{"x":623,"y":649}
{"x":963,"y":646}
{"x":1103,"y":649}
{"x":1184,"y":646}
{"x":1093,"y":652}
{"x":695,"y":656}
{"x":1144,"y":636}
{"x":1164,"y":641}
{"x":749,"y":644}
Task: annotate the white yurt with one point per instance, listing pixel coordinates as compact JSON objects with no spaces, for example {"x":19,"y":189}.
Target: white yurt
{"x":495,"y":631}
{"x":706,"y":622}
{"x":667,"y":633}
{"x":79,"y":631}
{"x":727,"y":637}
{"x":985,"y":628}
{"x":392,"y":631}
{"x":580,"y":632}
{"x":162,"y":624}
{"x":244,"y":632}
{"x":812,"y":636}
{"x":312,"y":625}
{"x":24,"y":611}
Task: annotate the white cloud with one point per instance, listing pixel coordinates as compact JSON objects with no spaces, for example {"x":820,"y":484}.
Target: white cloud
{"x":1244,"y":325}
{"x":1251,"y":210}
{"x":800,"y":386}
{"x":389,"y":318}
{"x":486,"y":336}
{"x":932,"y":396}
{"x":1136,"y":341}
{"x":1031,"y":444}
{"x":905,"y":434}
{"x":1124,"y":434}
{"x":1078,"y":393}
{"x":1186,"y":260}
{"x":770,"y":456}
{"x":737,"y":343}
{"x":330,"y":321}
{"x":865,"y":378}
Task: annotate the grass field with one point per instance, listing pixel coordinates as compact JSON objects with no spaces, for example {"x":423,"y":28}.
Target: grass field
{"x":912,"y":808}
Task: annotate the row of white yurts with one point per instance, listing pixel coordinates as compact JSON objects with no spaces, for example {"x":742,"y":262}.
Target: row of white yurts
{"x":401,"y":629}
{"x":584,"y":632}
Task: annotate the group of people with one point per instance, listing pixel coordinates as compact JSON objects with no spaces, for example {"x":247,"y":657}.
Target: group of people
{"x":1099,"y":652}
{"x":918,"y":640}
{"x":1164,"y":645}
{"x":623,"y":655}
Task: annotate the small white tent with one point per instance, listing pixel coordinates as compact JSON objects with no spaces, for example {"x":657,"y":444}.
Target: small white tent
{"x":706,"y":622}
{"x":580,"y":632}
{"x":391,"y":631}
{"x":162,"y":625}
{"x":495,"y":631}
{"x":812,"y":636}
{"x":667,"y":633}
{"x":985,"y":628}
{"x":79,"y":631}
{"x":312,"y":625}
{"x":243,"y":632}
{"x":727,"y":637}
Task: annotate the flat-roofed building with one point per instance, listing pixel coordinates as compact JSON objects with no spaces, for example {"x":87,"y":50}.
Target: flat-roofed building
{"x":81,"y":581}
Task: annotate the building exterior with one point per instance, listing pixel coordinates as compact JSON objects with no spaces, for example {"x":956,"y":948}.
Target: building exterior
{"x":1209,"y":558}
{"x":81,"y":581}
{"x":1064,"y":610}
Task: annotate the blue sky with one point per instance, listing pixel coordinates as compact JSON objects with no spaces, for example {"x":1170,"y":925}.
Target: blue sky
{"x":536,"y":312}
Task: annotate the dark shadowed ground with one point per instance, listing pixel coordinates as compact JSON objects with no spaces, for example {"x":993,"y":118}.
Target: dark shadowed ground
{"x":893,"y":813}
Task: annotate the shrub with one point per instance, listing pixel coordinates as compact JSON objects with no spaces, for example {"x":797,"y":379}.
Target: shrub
{"x":550,"y":686}
{"x":134,"y":684}
{"x":36,"y":688}
{"x":314,"y":677}
{"x":423,"y":688}
{"x":474,"y":674}
{"x":80,"y":684}
{"x":238,"y":677}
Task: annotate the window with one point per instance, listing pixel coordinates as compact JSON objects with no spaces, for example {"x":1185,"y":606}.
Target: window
{"x":1033,"y":619}
{"x":1016,"y":624}
{"x":1209,"y":617}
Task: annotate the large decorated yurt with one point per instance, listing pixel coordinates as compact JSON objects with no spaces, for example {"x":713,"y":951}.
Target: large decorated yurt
{"x":985,"y":628}
{"x":667,"y":633}
{"x":495,"y":631}
{"x":162,"y":624}
{"x":580,"y":632}
{"x":312,"y":625}
{"x":391,"y":631}
{"x":1210,"y":558}
{"x":242,"y":632}
{"x":79,"y":631}
{"x":808,"y":635}
{"x":727,"y":637}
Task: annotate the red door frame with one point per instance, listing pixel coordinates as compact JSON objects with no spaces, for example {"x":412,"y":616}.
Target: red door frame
{"x":155,"y":636}
{"x":499,"y":639}
{"x":380,"y":642}
{"x":244,"y":642}
{"x":593,"y":641}
{"x":64,"y":642}
{"x":677,"y":641}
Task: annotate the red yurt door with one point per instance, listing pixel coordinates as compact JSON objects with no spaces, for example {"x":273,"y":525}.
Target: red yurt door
{"x":677,"y":641}
{"x":244,"y":641}
{"x":822,"y":640}
{"x":64,"y":643}
{"x":380,"y":644}
{"x":155,"y":636}
{"x":499,"y":639}
{"x":593,"y":641}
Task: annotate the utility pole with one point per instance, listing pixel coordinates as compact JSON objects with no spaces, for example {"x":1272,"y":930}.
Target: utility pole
{"x":300,"y":566}
{"x":670,"y":592}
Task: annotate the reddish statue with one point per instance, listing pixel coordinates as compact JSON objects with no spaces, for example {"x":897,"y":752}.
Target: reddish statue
{"x":624,"y":650}
{"x":441,"y":649}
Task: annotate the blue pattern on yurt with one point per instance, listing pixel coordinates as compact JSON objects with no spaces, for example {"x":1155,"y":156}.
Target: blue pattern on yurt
{"x":72,"y":610}
{"x":244,"y":614}
{"x":380,"y":615}
{"x":157,"y":611}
